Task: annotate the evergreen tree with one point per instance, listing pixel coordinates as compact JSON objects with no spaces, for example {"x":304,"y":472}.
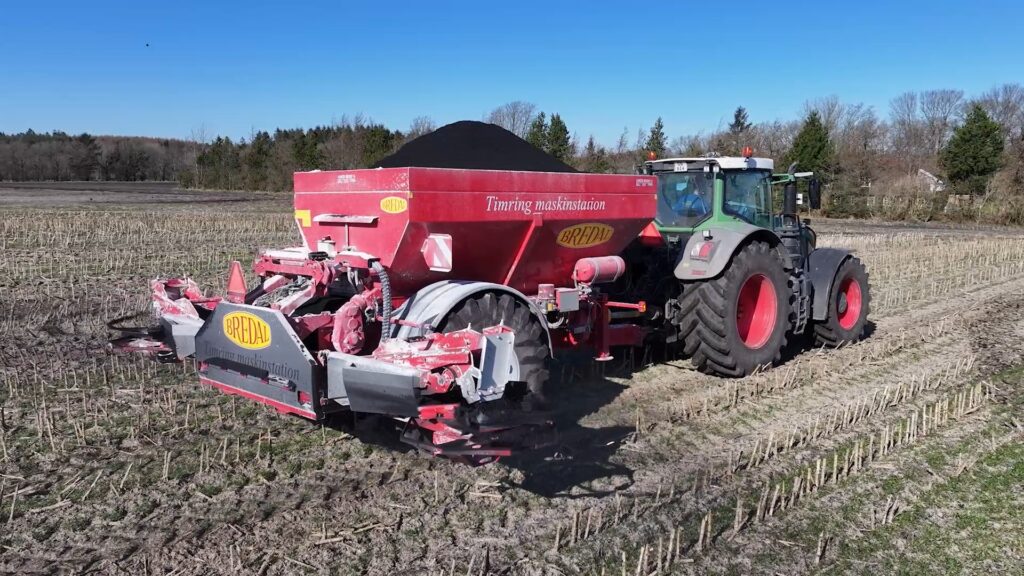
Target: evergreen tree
{"x":656,"y":139}
{"x":85,"y":158}
{"x":257,"y":159}
{"x":595,"y":158}
{"x":812,"y":149}
{"x":538,"y":132}
{"x":378,"y":142}
{"x":219,"y":163}
{"x":305,"y":151}
{"x":974,"y":153}
{"x":737,"y":128}
{"x":558,"y":139}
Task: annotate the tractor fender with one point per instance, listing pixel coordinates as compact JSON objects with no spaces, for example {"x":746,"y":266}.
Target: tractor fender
{"x":822,"y":266}
{"x":430,"y":305}
{"x":726,"y":241}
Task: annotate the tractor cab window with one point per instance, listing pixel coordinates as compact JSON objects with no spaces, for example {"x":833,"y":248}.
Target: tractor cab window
{"x":684,"y":198}
{"x":748,"y":195}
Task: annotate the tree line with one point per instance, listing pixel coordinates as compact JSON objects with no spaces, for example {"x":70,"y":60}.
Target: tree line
{"x":933,"y":153}
{"x":56,"y":156}
{"x":266,"y":161}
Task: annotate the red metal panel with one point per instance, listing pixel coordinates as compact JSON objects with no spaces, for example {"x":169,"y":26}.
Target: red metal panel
{"x":279,"y":406}
{"x":487,"y":213}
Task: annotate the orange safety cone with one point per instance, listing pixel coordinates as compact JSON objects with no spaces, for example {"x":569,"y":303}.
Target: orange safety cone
{"x":236,"y":284}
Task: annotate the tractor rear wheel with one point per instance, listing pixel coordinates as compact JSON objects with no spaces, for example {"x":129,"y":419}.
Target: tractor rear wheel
{"x":531,"y":348}
{"x":848,"y":306}
{"x":736,"y":323}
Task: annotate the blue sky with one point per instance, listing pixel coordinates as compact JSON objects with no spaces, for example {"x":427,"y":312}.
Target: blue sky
{"x":235,"y":67}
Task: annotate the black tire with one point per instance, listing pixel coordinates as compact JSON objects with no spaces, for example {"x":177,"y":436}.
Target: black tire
{"x":531,"y":347}
{"x":709,"y":319}
{"x":844,"y":324}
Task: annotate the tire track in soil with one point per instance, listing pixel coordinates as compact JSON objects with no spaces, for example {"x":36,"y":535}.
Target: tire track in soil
{"x":990,"y":301}
{"x":854,"y":509}
{"x":792,"y":536}
{"x":544,"y":536}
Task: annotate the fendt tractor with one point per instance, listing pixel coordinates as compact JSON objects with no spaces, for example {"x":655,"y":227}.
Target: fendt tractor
{"x":438,"y":296}
{"x":735,"y":276}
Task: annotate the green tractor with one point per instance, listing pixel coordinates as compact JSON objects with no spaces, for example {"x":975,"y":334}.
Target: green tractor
{"x":731,"y":271}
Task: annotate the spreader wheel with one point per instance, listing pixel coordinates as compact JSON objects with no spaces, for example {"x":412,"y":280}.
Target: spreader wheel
{"x":849,"y":303}
{"x":491,"y":309}
{"x":737,"y":322}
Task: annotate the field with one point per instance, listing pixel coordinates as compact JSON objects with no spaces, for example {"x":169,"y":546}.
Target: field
{"x":900,"y":453}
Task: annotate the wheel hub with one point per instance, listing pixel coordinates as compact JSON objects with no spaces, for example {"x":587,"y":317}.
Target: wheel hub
{"x":848,"y":303}
{"x":756,"y":311}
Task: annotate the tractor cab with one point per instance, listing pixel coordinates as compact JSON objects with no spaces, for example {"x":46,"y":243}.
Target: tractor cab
{"x":708,"y":193}
{"x":702,"y":192}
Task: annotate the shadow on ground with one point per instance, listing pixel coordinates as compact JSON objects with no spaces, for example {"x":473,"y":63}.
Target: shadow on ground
{"x":572,"y":455}
{"x":804,"y":343}
{"x":579,"y":455}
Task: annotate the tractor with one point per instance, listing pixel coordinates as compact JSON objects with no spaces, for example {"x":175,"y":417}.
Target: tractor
{"x":731,"y":271}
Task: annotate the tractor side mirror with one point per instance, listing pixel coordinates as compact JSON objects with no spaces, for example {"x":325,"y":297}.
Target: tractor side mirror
{"x":814,"y":194}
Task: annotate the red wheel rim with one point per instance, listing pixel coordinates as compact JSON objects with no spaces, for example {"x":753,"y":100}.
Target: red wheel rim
{"x":756,"y":310}
{"x":848,"y":303}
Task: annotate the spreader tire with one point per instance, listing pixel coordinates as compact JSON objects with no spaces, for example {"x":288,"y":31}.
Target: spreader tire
{"x":531,"y":348}
{"x":735,"y":323}
{"x":848,"y":306}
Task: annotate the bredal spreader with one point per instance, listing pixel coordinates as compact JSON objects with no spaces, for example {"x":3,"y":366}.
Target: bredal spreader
{"x":438,"y":296}
{"x":435,"y":296}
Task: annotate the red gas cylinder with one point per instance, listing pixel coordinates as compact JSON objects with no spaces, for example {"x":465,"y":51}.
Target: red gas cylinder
{"x":599,"y":270}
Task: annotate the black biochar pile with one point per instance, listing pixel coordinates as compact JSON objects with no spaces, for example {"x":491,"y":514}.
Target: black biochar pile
{"x":473,"y":145}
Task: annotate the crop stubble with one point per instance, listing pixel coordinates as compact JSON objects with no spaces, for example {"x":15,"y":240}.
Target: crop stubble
{"x":117,"y":465}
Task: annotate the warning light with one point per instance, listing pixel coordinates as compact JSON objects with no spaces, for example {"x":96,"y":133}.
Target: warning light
{"x":651,"y":155}
{"x":748,"y":151}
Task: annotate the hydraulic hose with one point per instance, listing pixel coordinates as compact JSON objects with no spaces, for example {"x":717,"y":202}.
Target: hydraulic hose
{"x":385,"y":295}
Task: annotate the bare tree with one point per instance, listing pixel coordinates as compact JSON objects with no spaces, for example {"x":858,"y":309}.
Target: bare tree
{"x":939,"y":108}
{"x":829,"y":109}
{"x":514,"y":117}
{"x":861,"y":146}
{"x":622,"y":146}
{"x":420,"y":125}
{"x":199,"y":138}
{"x":1005,"y":105}
{"x":907,"y":133}
{"x":773,"y":139}
{"x":690,"y":145}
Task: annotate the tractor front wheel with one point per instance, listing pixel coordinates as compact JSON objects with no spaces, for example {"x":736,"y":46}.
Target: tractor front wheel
{"x":849,"y":301}
{"x":735,"y":323}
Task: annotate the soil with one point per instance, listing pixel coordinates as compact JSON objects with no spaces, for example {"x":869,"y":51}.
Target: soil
{"x":116,"y":465}
{"x":113,"y":194}
{"x":473,"y":145}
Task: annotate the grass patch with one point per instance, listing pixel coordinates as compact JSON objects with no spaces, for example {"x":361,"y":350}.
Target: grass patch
{"x":973,"y":523}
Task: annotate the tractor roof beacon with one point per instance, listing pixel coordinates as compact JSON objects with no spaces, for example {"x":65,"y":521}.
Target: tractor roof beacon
{"x":750,"y":274}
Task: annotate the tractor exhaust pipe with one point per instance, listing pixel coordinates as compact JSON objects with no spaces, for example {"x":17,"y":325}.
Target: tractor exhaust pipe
{"x":789,"y":202}
{"x":790,"y":231}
